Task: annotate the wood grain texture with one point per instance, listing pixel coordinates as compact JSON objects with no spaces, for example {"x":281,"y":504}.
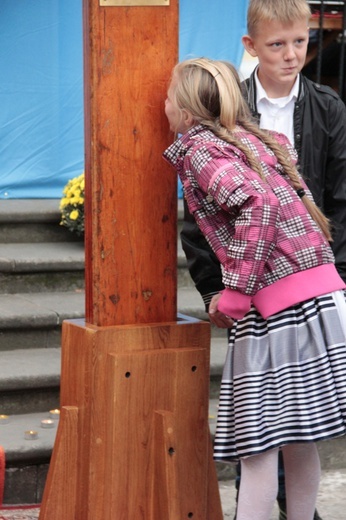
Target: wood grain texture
{"x":59,"y":498}
{"x":144,"y":388}
{"x":143,"y":445}
{"x":131,"y":193}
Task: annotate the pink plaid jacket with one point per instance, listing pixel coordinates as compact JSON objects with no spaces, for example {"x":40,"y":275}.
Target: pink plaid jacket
{"x":272,"y":253}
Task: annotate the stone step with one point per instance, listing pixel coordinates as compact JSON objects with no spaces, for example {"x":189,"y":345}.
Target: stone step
{"x":37,"y":254}
{"x":33,"y":320}
{"x":183,"y":275}
{"x":33,"y":220}
{"x":54,"y":266}
{"x":28,"y":213}
{"x":51,"y":256}
{"x":29,"y":380}
{"x":37,"y":220}
{"x":39,"y":267}
{"x":27,"y":461}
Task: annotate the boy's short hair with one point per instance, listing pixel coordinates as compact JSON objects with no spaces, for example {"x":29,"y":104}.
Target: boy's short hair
{"x":284,"y":11}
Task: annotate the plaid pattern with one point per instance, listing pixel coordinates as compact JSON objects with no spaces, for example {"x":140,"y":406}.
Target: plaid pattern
{"x":259,"y":228}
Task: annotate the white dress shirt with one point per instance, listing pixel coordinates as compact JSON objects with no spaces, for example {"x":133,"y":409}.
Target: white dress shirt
{"x":277,"y":113}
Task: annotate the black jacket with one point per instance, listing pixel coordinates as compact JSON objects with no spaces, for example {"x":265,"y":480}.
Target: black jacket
{"x":320,"y":140}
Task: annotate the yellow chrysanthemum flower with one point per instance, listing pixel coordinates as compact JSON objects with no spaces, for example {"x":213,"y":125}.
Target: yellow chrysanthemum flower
{"x":74,"y":214}
{"x":72,"y":205}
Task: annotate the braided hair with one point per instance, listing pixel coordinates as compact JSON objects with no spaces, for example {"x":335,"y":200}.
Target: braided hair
{"x":211,"y":91}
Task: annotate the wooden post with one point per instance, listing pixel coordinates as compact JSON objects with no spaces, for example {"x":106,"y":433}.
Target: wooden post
{"x":130,"y":191}
{"x":135,"y":376}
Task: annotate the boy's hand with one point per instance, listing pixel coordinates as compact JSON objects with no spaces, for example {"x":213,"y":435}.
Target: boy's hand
{"x":218,"y":318}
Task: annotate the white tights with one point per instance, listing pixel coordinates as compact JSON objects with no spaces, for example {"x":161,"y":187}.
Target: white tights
{"x":259,"y":483}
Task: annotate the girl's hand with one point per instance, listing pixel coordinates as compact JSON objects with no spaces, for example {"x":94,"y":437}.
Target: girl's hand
{"x":218,"y":318}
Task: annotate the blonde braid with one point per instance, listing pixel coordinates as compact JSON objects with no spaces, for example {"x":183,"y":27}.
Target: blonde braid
{"x":290,"y":170}
{"x":230,"y":138}
{"x":283,"y":159}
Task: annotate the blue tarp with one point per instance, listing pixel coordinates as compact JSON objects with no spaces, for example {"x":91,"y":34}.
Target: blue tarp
{"x":212,"y":29}
{"x":41,"y":88}
{"x":41,"y":97}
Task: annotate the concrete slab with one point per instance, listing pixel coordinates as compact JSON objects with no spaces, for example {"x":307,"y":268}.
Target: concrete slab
{"x":31,"y":257}
{"x":20,"y":311}
{"x":33,"y":310}
{"x":17,"y":448}
{"x":66,"y":305}
{"x":30,"y":210}
{"x":30,"y":368}
{"x":46,"y":307}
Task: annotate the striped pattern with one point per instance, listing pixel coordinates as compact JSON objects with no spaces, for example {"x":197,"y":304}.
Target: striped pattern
{"x":284,"y":380}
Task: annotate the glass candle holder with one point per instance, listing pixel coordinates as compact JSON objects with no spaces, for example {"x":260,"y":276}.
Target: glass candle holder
{"x":54,"y":414}
{"x":47,"y":423}
{"x":30,"y":435}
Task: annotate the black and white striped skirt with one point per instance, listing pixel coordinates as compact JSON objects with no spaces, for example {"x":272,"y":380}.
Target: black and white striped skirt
{"x":284,"y":379}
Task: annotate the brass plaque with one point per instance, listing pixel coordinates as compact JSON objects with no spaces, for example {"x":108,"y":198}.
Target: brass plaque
{"x":133,"y":2}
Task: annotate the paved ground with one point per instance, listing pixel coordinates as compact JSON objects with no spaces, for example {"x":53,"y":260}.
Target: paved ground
{"x":331,"y":503}
{"x":331,"y":500}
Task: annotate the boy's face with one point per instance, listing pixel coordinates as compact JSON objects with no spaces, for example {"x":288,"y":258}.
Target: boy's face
{"x":281,"y":52}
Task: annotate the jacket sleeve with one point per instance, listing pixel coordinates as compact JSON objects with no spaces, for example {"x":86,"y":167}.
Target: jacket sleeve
{"x":335,"y":183}
{"x":202,"y":263}
{"x":255,"y":232}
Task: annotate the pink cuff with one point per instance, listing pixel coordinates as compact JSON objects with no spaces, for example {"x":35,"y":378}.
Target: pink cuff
{"x":234,"y":304}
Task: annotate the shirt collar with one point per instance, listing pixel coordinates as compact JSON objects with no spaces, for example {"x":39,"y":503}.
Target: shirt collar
{"x":262,"y":95}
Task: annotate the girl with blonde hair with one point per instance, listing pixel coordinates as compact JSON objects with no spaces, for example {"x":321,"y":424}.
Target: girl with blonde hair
{"x":284,"y":383}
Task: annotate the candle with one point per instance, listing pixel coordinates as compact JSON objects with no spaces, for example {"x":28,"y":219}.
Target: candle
{"x":4,"y":419}
{"x":54,"y":414}
{"x":47,"y":423}
{"x":30,"y":435}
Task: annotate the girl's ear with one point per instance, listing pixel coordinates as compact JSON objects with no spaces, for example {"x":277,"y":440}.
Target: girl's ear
{"x":187,"y":118}
{"x":249,"y":45}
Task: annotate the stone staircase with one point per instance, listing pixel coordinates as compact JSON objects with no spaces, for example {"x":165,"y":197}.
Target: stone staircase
{"x":41,"y":284}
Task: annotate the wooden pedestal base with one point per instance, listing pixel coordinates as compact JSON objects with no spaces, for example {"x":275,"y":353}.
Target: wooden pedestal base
{"x":133,"y":439}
